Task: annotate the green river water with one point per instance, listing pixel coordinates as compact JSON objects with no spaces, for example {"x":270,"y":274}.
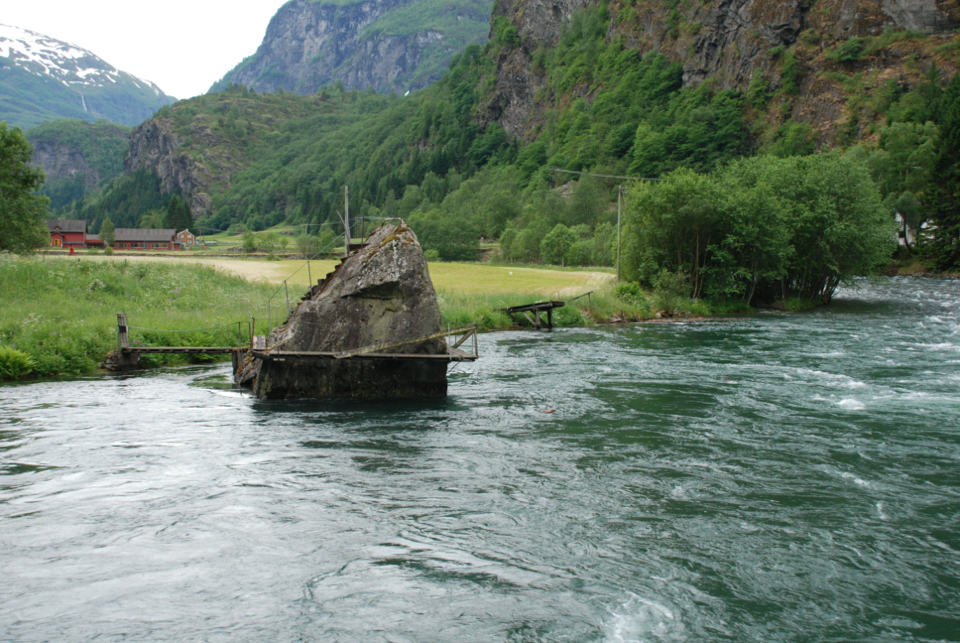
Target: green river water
{"x":778,"y":477}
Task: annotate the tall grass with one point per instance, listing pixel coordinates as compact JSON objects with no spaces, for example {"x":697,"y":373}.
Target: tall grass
{"x":603,"y":305}
{"x":62,"y":312}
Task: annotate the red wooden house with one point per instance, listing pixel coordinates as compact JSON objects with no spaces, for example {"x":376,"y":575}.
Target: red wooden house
{"x":67,"y":233}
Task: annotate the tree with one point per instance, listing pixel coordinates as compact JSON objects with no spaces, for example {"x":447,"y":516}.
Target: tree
{"x":836,"y":222}
{"x":945,"y":200}
{"x":179,"y":216}
{"x":453,"y":239}
{"x":22,"y":210}
{"x":107,"y":234}
{"x":554,"y":246}
{"x":152,"y":219}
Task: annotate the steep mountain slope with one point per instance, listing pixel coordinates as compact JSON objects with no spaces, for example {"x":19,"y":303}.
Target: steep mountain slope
{"x":77,"y":156}
{"x":809,"y":47}
{"x":43,"y":79}
{"x":385,"y":44}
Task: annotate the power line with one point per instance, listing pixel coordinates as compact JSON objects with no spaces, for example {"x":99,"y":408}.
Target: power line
{"x":605,"y":176}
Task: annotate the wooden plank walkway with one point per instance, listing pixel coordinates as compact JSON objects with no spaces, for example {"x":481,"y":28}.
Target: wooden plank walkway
{"x":258,"y":348}
{"x":455,"y":355}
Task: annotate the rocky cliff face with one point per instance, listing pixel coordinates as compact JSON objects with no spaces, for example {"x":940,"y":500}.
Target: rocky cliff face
{"x":61,"y":161}
{"x":729,"y":42}
{"x":384,"y":44}
{"x":155,"y":146}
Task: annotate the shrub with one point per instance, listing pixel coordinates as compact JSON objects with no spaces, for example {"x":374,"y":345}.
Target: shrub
{"x":308,"y":244}
{"x":249,"y":241}
{"x":14,"y":364}
{"x":670,"y":290}
{"x":848,"y":51}
{"x":631,"y":293}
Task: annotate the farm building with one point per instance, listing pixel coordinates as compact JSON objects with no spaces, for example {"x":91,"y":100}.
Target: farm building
{"x":67,"y":233}
{"x":186,"y":238}
{"x":146,"y":239}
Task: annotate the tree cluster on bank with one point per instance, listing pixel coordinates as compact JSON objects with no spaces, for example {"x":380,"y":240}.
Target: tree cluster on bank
{"x":762,"y":228}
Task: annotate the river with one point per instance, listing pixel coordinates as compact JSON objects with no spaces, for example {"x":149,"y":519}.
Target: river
{"x":778,"y":477}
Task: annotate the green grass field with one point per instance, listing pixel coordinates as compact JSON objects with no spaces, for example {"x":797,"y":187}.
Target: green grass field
{"x":62,"y":313}
{"x":59,"y":313}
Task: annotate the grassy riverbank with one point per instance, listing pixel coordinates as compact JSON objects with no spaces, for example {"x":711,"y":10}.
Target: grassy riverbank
{"x":59,"y":314}
{"x":62,"y":313}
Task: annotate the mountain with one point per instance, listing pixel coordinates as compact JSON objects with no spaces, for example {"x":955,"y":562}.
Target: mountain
{"x":622,"y":88}
{"x":822,"y":50}
{"x":389,"y":45}
{"x":44,"y":79}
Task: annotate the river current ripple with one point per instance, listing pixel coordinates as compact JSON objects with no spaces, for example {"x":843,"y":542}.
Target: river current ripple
{"x":781,"y":477}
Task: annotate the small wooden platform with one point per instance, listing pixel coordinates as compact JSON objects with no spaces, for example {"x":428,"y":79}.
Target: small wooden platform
{"x":526,"y":309}
{"x":181,"y":349}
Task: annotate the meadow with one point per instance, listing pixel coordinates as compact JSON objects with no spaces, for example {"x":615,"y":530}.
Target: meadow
{"x":59,"y":313}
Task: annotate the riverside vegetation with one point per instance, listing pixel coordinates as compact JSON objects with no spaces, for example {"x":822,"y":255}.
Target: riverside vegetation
{"x":59,"y":314}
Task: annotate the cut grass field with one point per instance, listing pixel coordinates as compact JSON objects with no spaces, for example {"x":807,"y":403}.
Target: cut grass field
{"x":462,"y":278}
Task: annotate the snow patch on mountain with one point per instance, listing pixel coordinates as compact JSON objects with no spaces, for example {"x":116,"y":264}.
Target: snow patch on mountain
{"x":71,"y":65}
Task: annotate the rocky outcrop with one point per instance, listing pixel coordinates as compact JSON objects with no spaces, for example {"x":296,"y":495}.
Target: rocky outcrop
{"x":155,"y":145}
{"x":726,"y":41}
{"x":380,"y":295}
{"x":312,"y":44}
{"x":60,"y":161}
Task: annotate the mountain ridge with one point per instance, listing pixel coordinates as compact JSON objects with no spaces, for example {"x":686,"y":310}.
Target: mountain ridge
{"x":390,"y":45}
{"x":42,"y":79}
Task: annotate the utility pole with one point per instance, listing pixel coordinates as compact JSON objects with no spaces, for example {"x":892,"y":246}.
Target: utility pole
{"x":619,"y":196}
{"x":346,"y":220}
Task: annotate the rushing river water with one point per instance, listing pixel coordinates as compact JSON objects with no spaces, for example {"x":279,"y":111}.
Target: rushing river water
{"x":782,"y":477}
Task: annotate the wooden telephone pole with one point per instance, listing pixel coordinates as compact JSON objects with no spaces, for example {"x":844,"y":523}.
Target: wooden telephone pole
{"x":346,"y":221}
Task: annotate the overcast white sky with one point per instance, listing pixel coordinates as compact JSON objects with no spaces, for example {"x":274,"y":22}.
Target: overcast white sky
{"x":184,"y":46}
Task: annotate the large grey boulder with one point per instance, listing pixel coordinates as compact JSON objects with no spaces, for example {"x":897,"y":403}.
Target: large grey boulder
{"x":381,"y":294}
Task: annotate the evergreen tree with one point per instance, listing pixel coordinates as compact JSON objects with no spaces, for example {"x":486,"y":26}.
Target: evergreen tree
{"x":179,"y":215}
{"x":945,"y":200}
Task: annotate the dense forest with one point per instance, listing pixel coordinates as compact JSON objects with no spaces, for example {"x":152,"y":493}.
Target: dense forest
{"x":275,"y":158}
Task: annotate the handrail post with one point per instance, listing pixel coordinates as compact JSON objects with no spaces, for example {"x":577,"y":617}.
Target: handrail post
{"x":123,"y":338}
{"x":287,"y":292}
